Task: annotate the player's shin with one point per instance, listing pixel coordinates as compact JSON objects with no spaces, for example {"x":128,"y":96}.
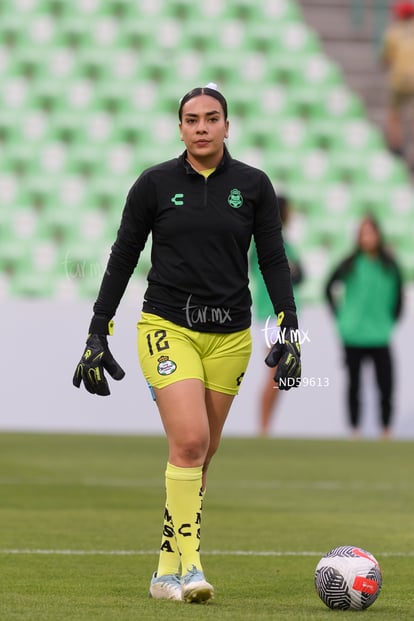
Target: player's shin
{"x":184,"y":499}
{"x":169,"y":558}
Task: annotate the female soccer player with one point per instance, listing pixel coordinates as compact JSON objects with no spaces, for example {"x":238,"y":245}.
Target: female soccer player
{"x":194,"y":341}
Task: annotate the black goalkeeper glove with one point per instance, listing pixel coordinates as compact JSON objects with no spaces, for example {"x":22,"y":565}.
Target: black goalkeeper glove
{"x":285,"y":354}
{"x":95,"y":359}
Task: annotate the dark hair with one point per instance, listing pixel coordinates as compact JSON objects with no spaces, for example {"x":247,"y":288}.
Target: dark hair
{"x":283,"y":207}
{"x":203,"y":90}
{"x":384,"y":253}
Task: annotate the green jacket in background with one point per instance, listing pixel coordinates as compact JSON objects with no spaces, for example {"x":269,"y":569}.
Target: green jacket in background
{"x":365,"y":295}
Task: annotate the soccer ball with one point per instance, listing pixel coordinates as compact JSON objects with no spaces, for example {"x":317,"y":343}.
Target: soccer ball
{"x":348,"y":578}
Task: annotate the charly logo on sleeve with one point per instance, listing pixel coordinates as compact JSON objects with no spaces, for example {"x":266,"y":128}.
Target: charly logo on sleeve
{"x":235,"y":199}
{"x":166,"y":366}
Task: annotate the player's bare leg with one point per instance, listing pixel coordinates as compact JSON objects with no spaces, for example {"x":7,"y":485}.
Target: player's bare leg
{"x":193,"y":419}
{"x":268,"y":399}
{"x":218,"y":405}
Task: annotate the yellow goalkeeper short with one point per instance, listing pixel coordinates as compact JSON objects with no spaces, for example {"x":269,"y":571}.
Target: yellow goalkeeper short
{"x":170,"y":353}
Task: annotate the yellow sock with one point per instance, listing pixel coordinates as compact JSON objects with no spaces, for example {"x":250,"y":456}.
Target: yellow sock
{"x":169,"y":559}
{"x":184,"y":500}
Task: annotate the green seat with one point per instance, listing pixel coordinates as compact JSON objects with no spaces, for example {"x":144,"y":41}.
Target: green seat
{"x":86,"y":160}
{"x":283,"y":11}
{"x":304,"y":195}
{"x":121,"y":9}
{"x":341,"y":103}
{"x":40,"y":190}
{"x":73,"y":31}
{"x":227,"y":71}
{"x":81,"y":260}
{"x":310,"y":95}
{"x":37,"y":269}
{"x":307,"y":99}
{"x":68,"y":127}
{"x":48,"y":95}
{"x":398,"y":231}
{"x":10,"y":120}
{"x":12,"y":256}
{"x":358,"y":135}
{"x":59,"y":227}
{"x":349,"y":162}
{"x":12,"y":33}
{"x":181,"y":9}
{"x":243,"y":11}
{"x":243,"y":109}
{"x":324,"y":132}
{"x":289,"y":134}
{"x":281,"y":164}
{"x":315,"y":166}
{"x":402,"y":200}
{"x":20,"y":160}
{"x":337,"y":200}
{"x":108,"y":194}
{"x":372,"y":197}
{"x":29,"y":62}
{"x":21,"y":225}
{"x":297,"y":38}
{"x":321,"y":71}
{"x":383,"y":168}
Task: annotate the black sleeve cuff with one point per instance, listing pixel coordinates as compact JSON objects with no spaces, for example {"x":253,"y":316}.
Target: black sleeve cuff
{"x":101,"y":325}
{"x":287,"y":319}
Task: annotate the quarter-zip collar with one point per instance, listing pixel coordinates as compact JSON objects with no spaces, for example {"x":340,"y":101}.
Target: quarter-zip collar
{"x":191,"y":171}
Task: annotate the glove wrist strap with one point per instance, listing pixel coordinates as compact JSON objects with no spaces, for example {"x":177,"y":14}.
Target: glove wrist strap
{"x":287,"y":319}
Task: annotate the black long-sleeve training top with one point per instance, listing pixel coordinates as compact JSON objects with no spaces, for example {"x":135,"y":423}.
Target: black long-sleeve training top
{"x":201,"y":231}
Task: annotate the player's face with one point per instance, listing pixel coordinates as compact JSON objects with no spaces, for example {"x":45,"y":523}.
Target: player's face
{"x":203,"y":129}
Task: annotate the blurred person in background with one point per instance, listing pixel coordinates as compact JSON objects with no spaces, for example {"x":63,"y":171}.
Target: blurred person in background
{"x":263,"y":310}
{"x":202,"y":208}
{"x":398,"y":55}
{"x":364,"y":293}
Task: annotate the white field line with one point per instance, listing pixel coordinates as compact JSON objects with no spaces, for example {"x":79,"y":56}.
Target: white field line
{"x":301,"y":553}
{"x":328,"y":485}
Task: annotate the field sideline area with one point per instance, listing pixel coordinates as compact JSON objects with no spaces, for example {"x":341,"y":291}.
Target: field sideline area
{"x":80,"y":520}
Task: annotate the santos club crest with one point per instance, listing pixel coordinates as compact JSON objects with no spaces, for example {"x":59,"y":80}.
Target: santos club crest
{"x":166,"y":366}
{"x":235,"y":199}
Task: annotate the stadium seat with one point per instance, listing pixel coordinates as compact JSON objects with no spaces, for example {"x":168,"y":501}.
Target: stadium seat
{"x":340,"y":103}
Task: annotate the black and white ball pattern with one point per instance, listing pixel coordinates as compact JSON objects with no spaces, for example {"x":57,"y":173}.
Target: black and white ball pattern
{"x":347,"y":578}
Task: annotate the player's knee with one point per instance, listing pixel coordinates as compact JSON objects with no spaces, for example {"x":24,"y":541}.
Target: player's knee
{"x":193,"y":451}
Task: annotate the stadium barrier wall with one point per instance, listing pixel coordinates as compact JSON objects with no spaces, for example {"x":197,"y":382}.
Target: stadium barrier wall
{"x":44,"y":341}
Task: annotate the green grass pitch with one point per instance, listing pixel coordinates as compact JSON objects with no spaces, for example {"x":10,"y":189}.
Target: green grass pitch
{"x":80,"y":522}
